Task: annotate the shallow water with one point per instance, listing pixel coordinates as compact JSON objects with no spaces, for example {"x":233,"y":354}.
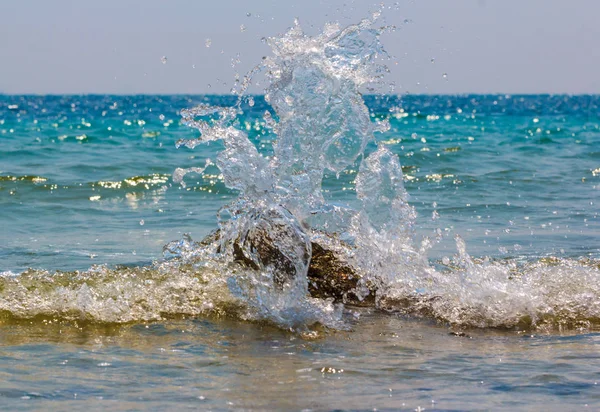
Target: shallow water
{"x":470,"y":222}
{"x":384,"y":362}
{"x":388,"y":361}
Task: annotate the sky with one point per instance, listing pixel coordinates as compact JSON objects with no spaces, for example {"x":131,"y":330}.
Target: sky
{"x":117,"y":46}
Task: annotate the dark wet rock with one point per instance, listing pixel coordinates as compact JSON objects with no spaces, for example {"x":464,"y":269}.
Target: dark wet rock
{"x":328,"y":275}
{"x":273,"y":241}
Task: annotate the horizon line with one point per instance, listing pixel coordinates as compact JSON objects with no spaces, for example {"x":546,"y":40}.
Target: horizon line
{"x":263,"y":94}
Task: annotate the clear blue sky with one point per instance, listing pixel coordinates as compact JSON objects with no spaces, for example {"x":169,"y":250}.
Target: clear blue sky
{"x":115,"y":46}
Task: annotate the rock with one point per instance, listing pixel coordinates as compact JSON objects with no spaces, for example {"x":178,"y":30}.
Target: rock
{"x":272,"y":240}
{"x":328,"y":276}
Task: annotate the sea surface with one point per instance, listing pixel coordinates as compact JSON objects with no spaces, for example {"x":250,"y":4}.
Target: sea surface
{"x":86,"y":186}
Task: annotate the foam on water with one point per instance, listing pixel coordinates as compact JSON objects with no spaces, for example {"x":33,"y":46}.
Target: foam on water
{"x":116,"y":295}
{"x":255,"y":267}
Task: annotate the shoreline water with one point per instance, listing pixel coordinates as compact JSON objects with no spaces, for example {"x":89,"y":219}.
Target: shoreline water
{"x":173,"y":363}
{"x":384,"y":362}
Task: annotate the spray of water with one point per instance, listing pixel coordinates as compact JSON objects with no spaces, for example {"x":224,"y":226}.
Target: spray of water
{"x":255,"y":266}
{"x":315,"y":86}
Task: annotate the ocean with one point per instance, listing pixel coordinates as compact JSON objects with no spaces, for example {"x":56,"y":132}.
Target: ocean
{"x":472,"y":221}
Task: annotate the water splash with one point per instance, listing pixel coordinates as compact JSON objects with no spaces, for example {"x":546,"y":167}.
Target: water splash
{"x":256,"y":266}
{"x":180,"y":173}
{"x":323,"y":124}
{"x":315,"y":86}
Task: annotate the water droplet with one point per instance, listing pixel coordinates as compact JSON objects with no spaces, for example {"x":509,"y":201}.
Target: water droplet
{"x":208,"y":42}
{"x":250,"y":101}
{"x":248,"y":14}
{"x":268,"y":118}
{"x":445,"y":76}
{"x":242,"y":28}
{"x":161,"y":117}
{"x":433,"y":60}
{"x":163,"y":60}
{"x":142,"y":222}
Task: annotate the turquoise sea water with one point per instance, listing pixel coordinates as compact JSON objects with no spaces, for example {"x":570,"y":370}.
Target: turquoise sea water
{"x":87,"y":180}
{"x":513,"y":175}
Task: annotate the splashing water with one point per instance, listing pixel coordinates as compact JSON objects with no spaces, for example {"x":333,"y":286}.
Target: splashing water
{"x":323,"y":124}
{"x":256,"y":265}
